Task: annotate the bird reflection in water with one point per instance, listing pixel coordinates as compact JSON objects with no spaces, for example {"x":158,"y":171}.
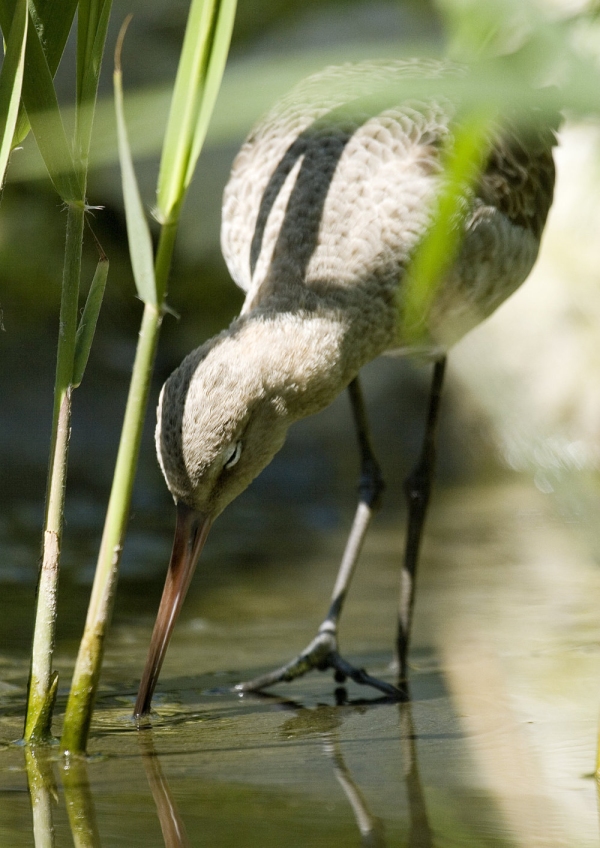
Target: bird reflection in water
{"x":326,"y":721}
{"x":171,"y":823}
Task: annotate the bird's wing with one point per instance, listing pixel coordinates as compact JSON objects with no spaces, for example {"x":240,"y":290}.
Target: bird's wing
{"x":317,"y":112}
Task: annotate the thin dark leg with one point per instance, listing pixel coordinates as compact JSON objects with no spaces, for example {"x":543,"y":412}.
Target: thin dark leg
{"x":322,"y":653}
{"x":417,"y":488}
{"x":371,"y":483}
{"x":370,"y":488}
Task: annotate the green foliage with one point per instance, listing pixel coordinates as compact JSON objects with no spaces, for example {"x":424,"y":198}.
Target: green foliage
{"x":11,"y":79}
{"x":205,"y":49}
{"x":68,"y":173}
{"x":465,"y":156}
{"x":138,"y":233}
{"x":52,"y":20}
{"x":46,"y":122}
{"x":39,"y":96}
{"x":87,"y":322}
{"x":92,"y":25}
{"x":200,"y":70}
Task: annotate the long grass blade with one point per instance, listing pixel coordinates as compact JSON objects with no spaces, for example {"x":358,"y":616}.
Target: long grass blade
{"x":184,"y":105}
{"x":439,"y":247}
{"x":11,"y":80}
{"x":87,"y":323}
{"x":39,"y":95}
{"x":44,"y":116}
{"x":92,"y":20}
{"x":53,"y":20}
{"x":218,"y":52}
{"x":203,"y":56}
{"x":138,"y":232}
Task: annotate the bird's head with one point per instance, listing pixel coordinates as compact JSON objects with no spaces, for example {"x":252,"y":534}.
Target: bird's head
{"x":221,"y":419}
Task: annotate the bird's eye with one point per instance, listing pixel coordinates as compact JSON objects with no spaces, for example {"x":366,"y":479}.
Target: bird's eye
{"x":232,"y":454}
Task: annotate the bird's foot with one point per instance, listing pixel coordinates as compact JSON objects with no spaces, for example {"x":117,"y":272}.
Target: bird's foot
{"x":321,"y":654}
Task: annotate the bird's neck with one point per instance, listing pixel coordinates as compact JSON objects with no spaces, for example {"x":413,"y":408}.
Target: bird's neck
{"x":309,"y":354}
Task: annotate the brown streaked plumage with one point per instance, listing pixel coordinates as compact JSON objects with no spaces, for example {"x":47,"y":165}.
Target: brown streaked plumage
{"x":327,"y":201}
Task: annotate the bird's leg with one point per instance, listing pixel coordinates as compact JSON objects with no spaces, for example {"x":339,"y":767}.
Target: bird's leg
{"x":322,"y":652}
{"x":417,"y":488}
{"x":370,"y":488}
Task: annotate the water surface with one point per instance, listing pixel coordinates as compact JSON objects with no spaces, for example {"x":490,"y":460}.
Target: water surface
{"x":496,"y":747}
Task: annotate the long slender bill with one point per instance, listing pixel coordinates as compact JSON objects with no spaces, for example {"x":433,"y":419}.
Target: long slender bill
{"x":191,"y":531}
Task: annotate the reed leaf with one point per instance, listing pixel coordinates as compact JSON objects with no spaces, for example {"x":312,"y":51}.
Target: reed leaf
{"x":44,"y":116}
{"x":138,"y":232}
{"x":463,"y":162}
{"x":53,"y":20}
{"x":11,"y":80}
{"x":92,"y":23}
{"x":87,"y":323}
{"x":218,"y":52}
{"x":38,"y":94}
{"x":203,"y":57}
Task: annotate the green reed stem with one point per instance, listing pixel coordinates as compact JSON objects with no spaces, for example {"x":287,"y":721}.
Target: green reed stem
{"x":39,"y":711}
{"x":89,"y":659}
{"x":199,"y":75}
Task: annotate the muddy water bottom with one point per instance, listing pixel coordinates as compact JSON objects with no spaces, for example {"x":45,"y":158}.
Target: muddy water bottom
{"x":495,"y":748}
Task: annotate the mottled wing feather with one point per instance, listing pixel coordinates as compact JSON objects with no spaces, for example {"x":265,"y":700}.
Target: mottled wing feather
{"x":383,"y":147}
{"x":330,"y":191}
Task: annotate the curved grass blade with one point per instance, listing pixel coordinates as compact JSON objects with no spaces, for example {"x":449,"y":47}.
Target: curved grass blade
{"x":53,"y":20}
{"x":44,"y":116}
{"x":138,"y":232}
{"x":11,"y":80}
{"x":440,"y":245}
{"x":87,"y":323}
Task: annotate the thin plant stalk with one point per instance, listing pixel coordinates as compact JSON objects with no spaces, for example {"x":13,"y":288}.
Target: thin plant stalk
{"x":45,"y":624}
{"x":39,"y":91}
{"x":197,"y":82}
{"x":89,"y":659}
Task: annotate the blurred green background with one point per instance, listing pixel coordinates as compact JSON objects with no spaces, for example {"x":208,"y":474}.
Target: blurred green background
{"x":506,"y":617}
{"x":274,"y":45}
{"x":515,"y":397}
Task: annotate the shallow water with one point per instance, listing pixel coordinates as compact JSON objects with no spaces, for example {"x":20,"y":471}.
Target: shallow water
{"x":495,"y":748}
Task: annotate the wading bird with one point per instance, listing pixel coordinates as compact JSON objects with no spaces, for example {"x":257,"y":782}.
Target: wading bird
{"x":328,"y":200}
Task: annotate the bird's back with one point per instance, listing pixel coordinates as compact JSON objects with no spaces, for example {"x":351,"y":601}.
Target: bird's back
{"x":333,"y":193}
